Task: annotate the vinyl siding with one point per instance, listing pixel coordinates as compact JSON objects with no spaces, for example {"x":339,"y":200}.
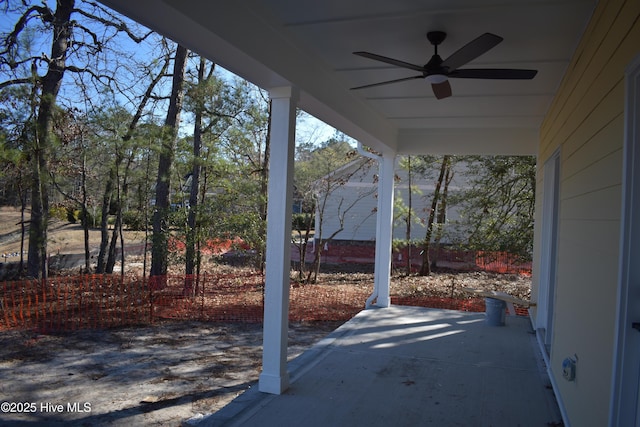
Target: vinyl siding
{"x":360,"y":220}
{"x":586,"y":121}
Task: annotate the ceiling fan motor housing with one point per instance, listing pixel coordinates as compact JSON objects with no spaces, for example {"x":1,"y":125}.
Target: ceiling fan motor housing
{"x":436,"y":37}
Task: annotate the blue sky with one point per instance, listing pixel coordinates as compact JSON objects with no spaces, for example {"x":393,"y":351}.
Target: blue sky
{"x":309,"y":128}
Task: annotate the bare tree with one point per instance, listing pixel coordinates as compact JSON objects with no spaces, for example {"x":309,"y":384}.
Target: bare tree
{"x":441,"y":218}
{"x":329,"y":160}
{"x":323,"y":194}
{"x":73,"y":132}
{"x":425,"y":269}
{"x":107,"y":252}
{"x":409,"y":213}
{"x":404,"y":210}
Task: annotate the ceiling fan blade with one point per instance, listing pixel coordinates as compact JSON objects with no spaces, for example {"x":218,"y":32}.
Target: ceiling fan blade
{"x":471,"y":50}
{"x":388,"y":82}
{"x":493,"y":73}
{"x":441,"y":90}
{"x":391,"y":61}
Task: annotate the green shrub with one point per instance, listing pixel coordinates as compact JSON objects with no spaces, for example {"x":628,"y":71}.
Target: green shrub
{"x":72,"y":215}
{"x":300,"y":221}
{"x":58,"y":212}
{"x":134,"y":220}
{"x":91,"y":220}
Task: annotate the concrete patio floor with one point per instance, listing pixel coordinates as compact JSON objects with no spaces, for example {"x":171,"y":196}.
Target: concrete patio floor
{"x":409,"y":366}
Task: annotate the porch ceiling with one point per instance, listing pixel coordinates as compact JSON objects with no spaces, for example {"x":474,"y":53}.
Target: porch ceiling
{"x":309,"y":44}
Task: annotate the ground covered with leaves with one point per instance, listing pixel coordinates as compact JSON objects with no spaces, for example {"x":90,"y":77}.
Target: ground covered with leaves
{"x":451,"y":284}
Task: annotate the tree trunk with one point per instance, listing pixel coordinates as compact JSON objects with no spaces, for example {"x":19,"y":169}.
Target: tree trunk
{"x":304,"y":233}
{"x":264,"y":181}
{"x":192,"y":257}
{"x":408,"y":235}
{"x":23,"y":230}
{"x":104,"y":221}
{"x":160,"y":237}
{"x":113,"y":245}
{"x":85,"y":215}
{"x":62,"y":28}
{"x":442,"y":212}
{"x":147,"y":179}
{"x":425,"y":269}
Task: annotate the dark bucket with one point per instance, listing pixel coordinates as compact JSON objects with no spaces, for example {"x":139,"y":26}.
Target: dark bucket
{"x":495,"y":311}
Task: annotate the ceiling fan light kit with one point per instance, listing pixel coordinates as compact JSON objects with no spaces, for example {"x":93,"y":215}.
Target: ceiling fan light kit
{"x":436,"y":78}
{"x":438,"y":71}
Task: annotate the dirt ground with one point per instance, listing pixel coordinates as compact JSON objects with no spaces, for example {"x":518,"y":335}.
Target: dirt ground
{"x":160,"y":375}
{"x":63,"y":237}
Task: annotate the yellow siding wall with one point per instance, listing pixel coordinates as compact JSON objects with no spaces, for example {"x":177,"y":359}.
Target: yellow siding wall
{"x":586,"y":122}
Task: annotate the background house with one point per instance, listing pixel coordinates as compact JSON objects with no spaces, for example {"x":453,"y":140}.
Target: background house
{"x":352,"y":205}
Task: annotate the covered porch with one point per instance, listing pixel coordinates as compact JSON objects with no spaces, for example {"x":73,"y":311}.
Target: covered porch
{"x":408,"y":366}
{"x":303,"y":54}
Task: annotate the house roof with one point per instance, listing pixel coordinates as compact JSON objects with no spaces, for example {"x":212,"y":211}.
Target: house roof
{"x":309,"y":44}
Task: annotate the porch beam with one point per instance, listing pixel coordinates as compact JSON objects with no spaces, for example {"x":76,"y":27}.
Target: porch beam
{"x":474,"y":141}
{"x":274,"y":378}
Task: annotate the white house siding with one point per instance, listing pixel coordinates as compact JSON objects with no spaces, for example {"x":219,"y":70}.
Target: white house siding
{"x":585,"y":121}
{"x":349,"y":202}
{"x":360,"y":220}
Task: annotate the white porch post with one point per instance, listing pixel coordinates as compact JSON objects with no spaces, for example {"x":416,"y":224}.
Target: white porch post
{"x":384,"y":229}
{"x":274,"y":377}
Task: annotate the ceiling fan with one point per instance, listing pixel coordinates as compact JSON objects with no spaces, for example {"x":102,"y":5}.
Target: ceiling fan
{"x":437,"y":72}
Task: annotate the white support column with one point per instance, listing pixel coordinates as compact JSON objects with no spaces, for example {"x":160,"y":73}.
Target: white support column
{"x":274,"y":377}
{"x":384,"y":229}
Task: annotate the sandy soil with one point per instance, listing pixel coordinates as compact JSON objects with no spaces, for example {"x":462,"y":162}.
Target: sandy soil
{"x":159,"y":375}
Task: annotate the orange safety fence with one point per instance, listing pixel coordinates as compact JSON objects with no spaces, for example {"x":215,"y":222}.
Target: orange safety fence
{"x":234,"y":297}
{"x":102,"y":301}
{"x":70,"y":303}
{"x":461,"y":260}
{"x":502,"y":262}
